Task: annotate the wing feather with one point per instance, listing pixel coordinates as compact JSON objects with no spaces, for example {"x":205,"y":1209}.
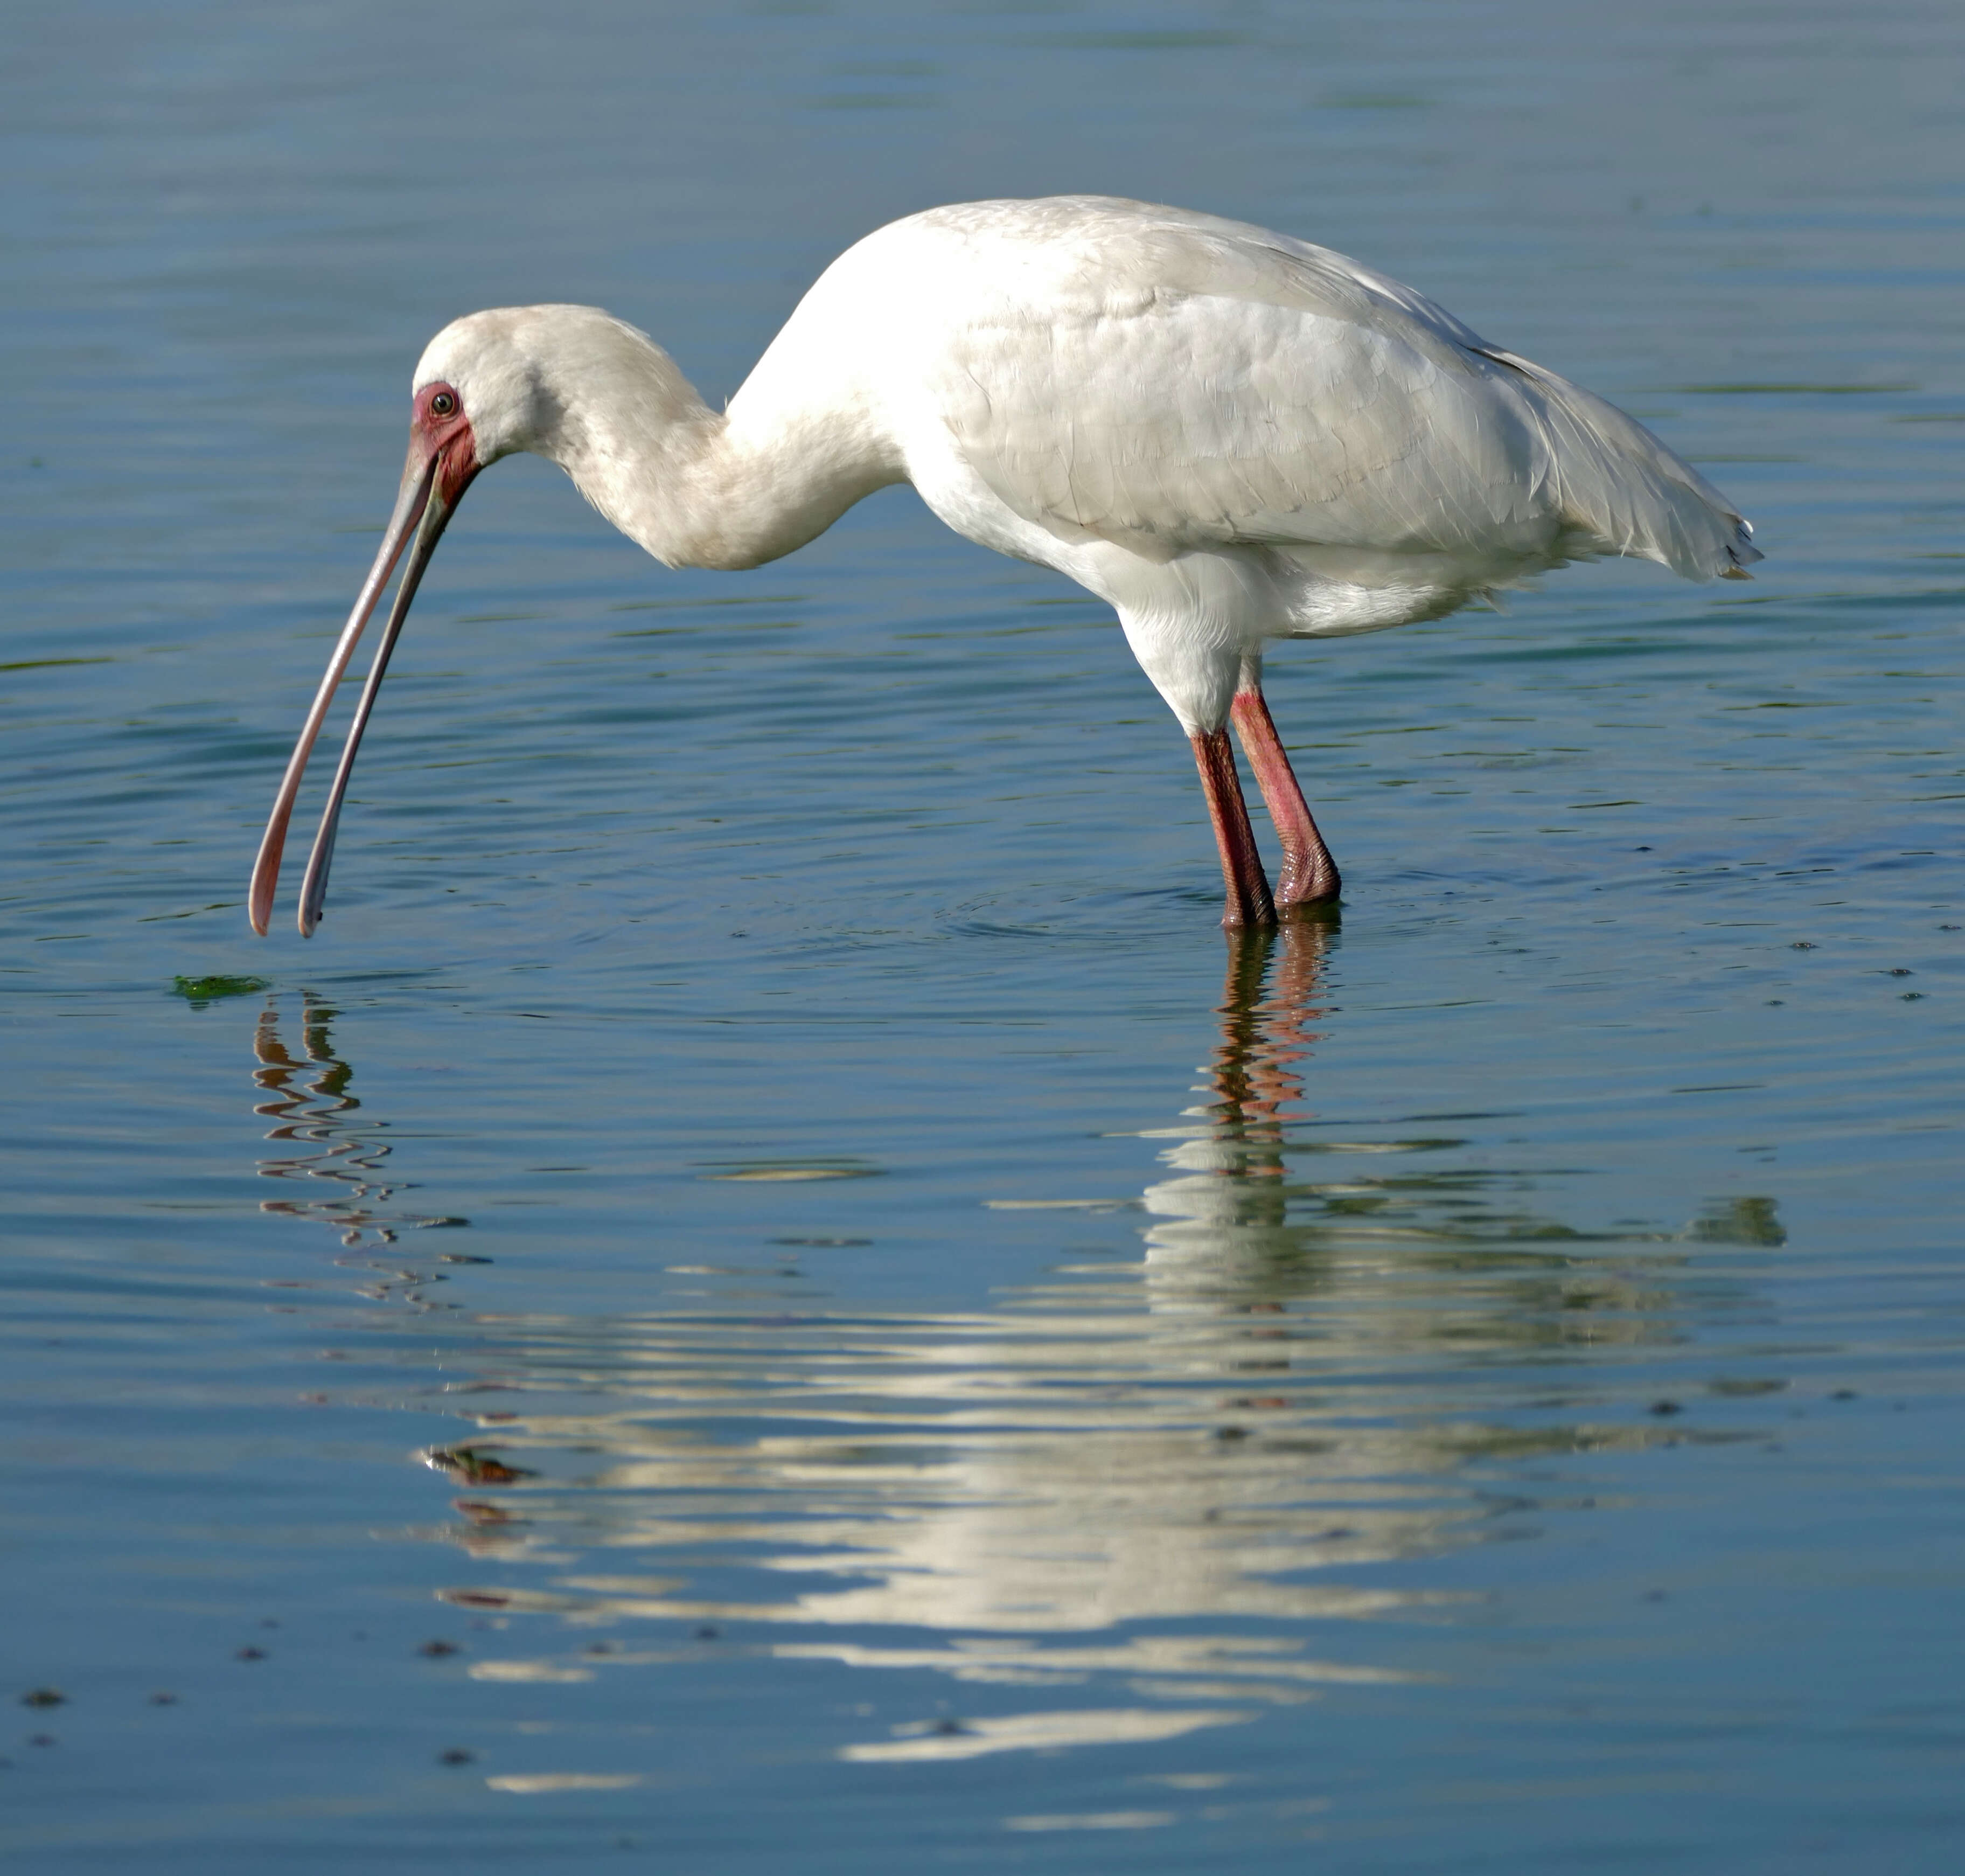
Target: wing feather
{"x":1176,"y":384}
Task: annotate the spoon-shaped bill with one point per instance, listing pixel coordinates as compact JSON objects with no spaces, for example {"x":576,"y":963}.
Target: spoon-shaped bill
{"x":436,"y":514}
{"x":418,"y":479}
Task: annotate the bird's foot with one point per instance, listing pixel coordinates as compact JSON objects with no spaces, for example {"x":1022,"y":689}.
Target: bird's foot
{"x":1260,"y":916}
{"x":1310,"y":887}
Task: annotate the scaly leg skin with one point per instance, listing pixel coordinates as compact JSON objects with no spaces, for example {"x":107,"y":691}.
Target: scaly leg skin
{"x":1309,"y":882}
{"x":1249,"y":900}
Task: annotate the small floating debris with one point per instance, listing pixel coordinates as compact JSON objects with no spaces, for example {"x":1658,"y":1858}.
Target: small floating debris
{"x":437,"y":1649}
{"x":474,"y":1467}
{"x":455,"y":1755}
{"x":43,"y":1697}
{"x":203,"y":990}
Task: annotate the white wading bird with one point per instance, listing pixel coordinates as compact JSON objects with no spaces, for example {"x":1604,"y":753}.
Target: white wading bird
{"x":1228,"y":436}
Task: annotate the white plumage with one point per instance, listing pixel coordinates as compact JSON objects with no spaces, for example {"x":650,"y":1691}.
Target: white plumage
{"x":1230,"y":436}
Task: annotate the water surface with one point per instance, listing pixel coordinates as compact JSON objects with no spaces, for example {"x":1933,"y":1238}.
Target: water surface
{"x":770,"y":1291}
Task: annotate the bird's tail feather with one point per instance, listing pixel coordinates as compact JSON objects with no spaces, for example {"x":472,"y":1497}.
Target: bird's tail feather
{"x":1623,"y":491}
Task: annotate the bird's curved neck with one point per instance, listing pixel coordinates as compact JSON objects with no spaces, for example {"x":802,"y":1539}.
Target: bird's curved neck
{"x":698,"y":487}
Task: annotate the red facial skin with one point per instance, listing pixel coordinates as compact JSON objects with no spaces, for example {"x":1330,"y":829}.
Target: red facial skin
{"x":447,"y":436}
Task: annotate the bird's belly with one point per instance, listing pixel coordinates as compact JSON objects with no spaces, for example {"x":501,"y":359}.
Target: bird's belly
{"x":1329,"y":592}
{"x":1334,"y":609}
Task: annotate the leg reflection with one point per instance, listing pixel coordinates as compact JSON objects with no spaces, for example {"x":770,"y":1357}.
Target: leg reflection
{"x":1264,"y":1037}
{"x":1221,"y":1218}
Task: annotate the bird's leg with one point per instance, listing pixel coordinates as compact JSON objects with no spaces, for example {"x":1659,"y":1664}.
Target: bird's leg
{"x":1310,"y":875}
{"x":1248,"y":901}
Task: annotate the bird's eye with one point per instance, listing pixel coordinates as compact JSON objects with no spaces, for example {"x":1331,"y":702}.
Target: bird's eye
{"x":443,"y":404}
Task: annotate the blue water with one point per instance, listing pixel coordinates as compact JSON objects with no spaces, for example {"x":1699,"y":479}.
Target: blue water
{"x":771,"y":1292}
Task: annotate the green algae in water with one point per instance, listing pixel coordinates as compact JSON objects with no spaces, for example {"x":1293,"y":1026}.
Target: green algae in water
{"x":200,"y":991}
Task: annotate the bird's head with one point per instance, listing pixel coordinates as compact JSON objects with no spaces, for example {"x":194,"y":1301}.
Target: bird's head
{"x":559,"y":381}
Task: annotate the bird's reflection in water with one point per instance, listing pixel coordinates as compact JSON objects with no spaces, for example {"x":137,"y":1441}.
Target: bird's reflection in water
{"x":1229,"y":1195}
{"x":1312,"y":1375}
{"x":339,"y":1176}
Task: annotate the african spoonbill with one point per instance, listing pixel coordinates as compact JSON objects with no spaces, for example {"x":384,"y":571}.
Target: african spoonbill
{"x":1228,"y":436}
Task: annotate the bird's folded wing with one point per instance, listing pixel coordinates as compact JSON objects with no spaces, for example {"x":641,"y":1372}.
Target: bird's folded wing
{"x":1198,"y":390}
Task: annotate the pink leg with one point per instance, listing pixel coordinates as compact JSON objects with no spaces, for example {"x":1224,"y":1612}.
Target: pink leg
{"x":1248,"y":901}
{"x":1310,"y":875}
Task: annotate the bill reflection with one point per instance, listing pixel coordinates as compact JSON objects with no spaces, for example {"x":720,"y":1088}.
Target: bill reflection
{"x":339,"y":1177}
